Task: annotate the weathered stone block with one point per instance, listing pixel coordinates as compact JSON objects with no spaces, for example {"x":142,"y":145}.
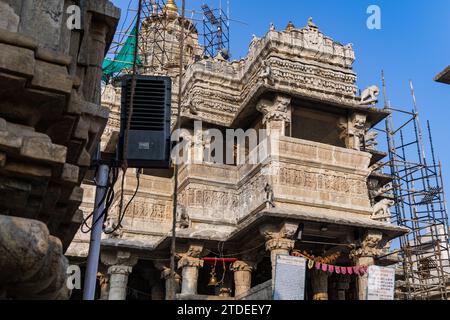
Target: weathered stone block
{"x":70,"y":173}
{"x":16,"y":60}
{"x":24,"y":248}
{"x":27,"y":170}
{"x":8,"y":141}
{"x":42,"y":20}
{"x":43,"y":150}
{"x":51,"y":77}
{"x":9,"y":20}
{"x":2,"y":159}
{"x":14,"y":194}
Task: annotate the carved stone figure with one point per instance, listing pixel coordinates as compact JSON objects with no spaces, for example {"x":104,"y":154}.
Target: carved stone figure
{"x":371,"y":140}
{"x":276,"y":110}
{"x":184,"y":221}
{"x":370,"y":95}
{"x":269,"y":198}
{"x":254,"y":41}
{"x":370,"y":245}
{"x":381,"y":210}
{"x":266,"y":73}
{"x":353,"y":130}
{"x":111,"y":228}
{"x":187,"y":105}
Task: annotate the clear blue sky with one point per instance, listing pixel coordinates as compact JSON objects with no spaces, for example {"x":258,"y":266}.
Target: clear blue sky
{"x":414,"y":43}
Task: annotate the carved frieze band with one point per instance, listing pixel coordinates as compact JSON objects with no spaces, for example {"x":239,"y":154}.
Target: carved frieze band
{"x":153,"y":210}
{"x":330,"y":182}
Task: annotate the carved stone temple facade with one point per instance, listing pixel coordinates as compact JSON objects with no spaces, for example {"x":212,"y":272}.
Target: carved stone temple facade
{"x":324,"y":180}
{"x":51,"y":121}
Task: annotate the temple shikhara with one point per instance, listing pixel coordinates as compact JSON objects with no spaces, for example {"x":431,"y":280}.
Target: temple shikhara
{"x":320,"y":192}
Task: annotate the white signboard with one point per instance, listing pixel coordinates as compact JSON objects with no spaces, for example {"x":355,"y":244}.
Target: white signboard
{"x":289,"y":283}
{"x":381,"y":283}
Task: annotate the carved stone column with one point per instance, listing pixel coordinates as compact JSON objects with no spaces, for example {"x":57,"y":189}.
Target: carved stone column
{"x":118,"y":282}
{"x":353,"y":130}
{"x":277,"y":114}
{"x":190,"y":268}
{"x":165,"y":274}
{"x":278,"y":241}
{"x":103,"y":278}
{"x":120,"y":267}
{"x":190,"y":263}
{"x":319,"y":281}
{"x":242,"y":276}
{"x":365,"y":256}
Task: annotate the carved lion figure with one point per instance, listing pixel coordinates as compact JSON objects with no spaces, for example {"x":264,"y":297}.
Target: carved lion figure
{"x":370,"y":95}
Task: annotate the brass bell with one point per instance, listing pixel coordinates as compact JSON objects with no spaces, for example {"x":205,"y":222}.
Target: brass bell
{"x":213,"y":282}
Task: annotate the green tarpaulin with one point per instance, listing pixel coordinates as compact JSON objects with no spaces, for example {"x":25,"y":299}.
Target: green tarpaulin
{"x":123,"y":60}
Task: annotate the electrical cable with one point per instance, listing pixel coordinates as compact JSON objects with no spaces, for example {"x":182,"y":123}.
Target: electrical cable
{"x":232,"y":255}
{"x":122,"y":214}
{"x":107,"y":199}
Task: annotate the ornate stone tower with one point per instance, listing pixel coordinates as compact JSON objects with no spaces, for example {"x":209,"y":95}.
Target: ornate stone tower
{"x":160,"y":39}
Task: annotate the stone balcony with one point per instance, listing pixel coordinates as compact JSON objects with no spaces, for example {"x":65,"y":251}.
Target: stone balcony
{"x":310,"y":181}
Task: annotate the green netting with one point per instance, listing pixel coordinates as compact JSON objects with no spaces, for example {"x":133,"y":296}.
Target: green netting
{"x":123,"y":60}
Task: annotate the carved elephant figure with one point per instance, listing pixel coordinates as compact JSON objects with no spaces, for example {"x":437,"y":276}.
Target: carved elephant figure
{"x":381,"y":210}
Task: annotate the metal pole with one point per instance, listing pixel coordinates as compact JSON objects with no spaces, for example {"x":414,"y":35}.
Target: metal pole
{"x":172,"y":293}
{"x":96,"y":233}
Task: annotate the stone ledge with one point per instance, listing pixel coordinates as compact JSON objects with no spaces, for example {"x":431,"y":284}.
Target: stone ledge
{"x":32,"y":262}
{"x":16,"y":60}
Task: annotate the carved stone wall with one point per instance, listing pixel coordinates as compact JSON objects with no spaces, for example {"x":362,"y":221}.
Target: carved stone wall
{"x":302,"y":62}
{"x":50,"y":124}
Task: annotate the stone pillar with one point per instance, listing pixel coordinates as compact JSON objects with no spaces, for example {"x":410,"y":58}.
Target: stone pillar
{"x":165,"y":274}
{"x":118,"y":282}
{"x":365,"y":256}
{"x":278,"y":241}
{"x":120,"y":267}
{"x":190,"y":268}
{"x":103,"y":278}
{"x":242,"y":277}
{"x":277,"y":114}
{"x":353,"y":130}
{"x":190,"y":263}
{"x":319,"y":281}
{"x":278,"y":246}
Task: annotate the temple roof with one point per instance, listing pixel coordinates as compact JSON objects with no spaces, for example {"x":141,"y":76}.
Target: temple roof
{"x":444,"y":76}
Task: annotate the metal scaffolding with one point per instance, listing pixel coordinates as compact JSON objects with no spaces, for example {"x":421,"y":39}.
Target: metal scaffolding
{"x":154,"y":51}
{"x":216,"y":32}
{"x":418,"y":192}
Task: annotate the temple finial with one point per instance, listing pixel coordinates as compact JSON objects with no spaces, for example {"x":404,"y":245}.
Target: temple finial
{"x":290,"y":26}
{"x":171,"y":6}
{"x":311,"y":24}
